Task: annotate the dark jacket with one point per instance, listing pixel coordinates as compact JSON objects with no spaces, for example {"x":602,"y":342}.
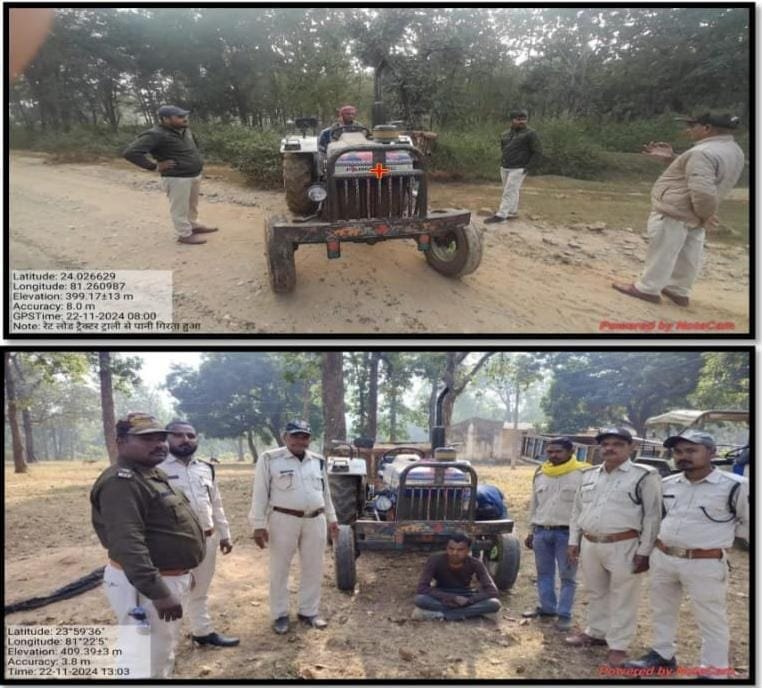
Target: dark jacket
{"x":146,"y":525}
{"x":165,"y":143}
{"x":521,"y":148}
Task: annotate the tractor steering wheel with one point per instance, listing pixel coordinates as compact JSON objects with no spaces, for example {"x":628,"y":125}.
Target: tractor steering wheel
{"x":348,"y":128}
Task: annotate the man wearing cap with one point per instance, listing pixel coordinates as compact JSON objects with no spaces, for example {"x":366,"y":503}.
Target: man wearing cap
{"x":555,"y":483}
{"x":153,"y":540}
{"x":290,"y":507}
{"x":196,"y":480}
{"x":614,"y":523}
{"x":521,"y":151}
{"x":346,"y":122}
{"x":176,"y":156}
{"x":684,"y":202}
{"x":704,"y":510}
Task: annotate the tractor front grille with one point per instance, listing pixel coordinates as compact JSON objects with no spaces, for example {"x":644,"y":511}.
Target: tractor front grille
{"x":365,"y":197}
{"x":434,"y":503}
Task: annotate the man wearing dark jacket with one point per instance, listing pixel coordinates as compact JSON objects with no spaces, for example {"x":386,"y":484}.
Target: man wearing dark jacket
{"x":521,"y":151}
{"x":175,"y":154}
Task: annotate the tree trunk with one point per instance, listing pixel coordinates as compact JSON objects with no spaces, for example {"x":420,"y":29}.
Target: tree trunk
{"x":26,"y":419}
{"x":252,"y":448}
{"x":10,"y":397}
{"x":332,"y":392}
{"x":241,"y":456}
{"x":516,"y":408}
{"x":371,"y":428}
{"x":107,"y":404}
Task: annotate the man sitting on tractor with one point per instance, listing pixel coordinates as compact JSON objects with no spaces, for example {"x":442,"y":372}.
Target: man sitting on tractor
{"x":453,"y":597}
{"x":347,"y":115}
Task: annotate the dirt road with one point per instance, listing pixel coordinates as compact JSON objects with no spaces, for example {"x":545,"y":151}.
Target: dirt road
{"x":535,"y":277}
{"x":49,"y":542}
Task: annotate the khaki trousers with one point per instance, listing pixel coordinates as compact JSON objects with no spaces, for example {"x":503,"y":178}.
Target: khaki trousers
{"x":512,"y":181}
{"x":198,"y":600}
{"x":613,"y":590}
{"x":123,"y":597}
{"x":287,"y":535}
{"x":183,"y":202}
{"x":706,"y":582}
{"x":674,"y":256}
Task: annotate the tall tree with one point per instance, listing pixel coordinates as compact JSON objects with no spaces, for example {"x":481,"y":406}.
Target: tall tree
{"x":108,"y":416}
{"x":19,"y":463}
{"x":332,"y":390}
{"x":724,"y":381}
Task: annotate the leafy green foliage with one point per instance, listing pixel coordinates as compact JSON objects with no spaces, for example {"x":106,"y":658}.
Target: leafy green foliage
{"x":724,"y":381}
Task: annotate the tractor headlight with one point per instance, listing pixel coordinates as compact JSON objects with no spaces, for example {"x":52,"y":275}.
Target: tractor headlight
{"x":383,"y":503}
{"x":317,"y":193}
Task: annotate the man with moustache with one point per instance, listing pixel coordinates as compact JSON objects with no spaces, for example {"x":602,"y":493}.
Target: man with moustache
{"x":704,"y":509}
{"x":153,"y":540}
{"x":614,"y":523}
{"x":555,"y":483}
{"x":195,"y":479}
{"x":290,"y":508}
{"x":176,"y":156}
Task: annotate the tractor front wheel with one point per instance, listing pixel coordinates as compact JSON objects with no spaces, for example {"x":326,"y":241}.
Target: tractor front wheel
{"x":297,"y":177}
{"x":344,"y":559}
{"x":457,"y":252}
{"x":281,"y":265}
{"x":503,"y":561}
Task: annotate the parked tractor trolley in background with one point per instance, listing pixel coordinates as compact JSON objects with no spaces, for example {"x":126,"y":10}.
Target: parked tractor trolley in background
{"x":409,"y":502}
{"x":367,"y":187}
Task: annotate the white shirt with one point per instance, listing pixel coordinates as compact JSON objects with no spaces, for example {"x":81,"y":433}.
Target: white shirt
{"x":553,"y":498}
{"x":605,"y":504}
{"x":281,"y":479}
{"x":197,"y":483}
{"x":698,"y":513}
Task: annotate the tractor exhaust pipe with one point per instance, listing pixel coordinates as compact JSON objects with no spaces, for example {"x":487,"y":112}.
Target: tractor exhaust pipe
{"x":438,"y":431}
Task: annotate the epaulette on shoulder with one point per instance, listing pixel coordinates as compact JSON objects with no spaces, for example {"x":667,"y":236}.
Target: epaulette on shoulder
{"x":674,"y":476}
{"x":209,"y":465}
{"x":734,"y":477}
{"x":124,"y":473}
{"x":644,"y":466}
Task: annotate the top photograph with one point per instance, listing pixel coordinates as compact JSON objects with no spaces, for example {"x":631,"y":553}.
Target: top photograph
{"x":416,"y":171}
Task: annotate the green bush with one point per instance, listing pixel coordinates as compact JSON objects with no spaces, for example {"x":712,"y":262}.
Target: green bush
{"x":258,"y":159}
{"x":80,"y":143}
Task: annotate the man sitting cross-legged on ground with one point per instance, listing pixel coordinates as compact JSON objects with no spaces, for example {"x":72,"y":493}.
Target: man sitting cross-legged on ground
{"x":452,"y":597}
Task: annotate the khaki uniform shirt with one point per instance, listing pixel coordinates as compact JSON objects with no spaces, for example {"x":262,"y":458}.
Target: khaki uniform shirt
{"x":196,"y":481}
{"x":698,"y":515}
{"x":145,"y":525}
{"x":281,"y":479}
{"x":553,"y":498}
{"x":606,"y":503}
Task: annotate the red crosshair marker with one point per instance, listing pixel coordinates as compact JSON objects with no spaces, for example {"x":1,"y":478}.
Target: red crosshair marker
{"x":380,"y":171}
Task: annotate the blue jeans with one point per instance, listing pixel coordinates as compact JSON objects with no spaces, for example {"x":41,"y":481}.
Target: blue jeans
{"x":488,"y":606}
{"x":550,"y":549}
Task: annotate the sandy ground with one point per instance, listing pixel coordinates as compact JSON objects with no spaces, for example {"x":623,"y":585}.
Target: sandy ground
{"x":49,"y":542}
{"x":534,"y":278}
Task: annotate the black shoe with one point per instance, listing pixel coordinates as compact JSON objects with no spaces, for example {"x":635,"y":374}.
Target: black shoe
{"x":215,"y":639}
{"x":280,"y":625}
{"x":314,"y":621}
{"x":494,"y":218}
{"x":535,"y":613}
{"x":652,"y":660}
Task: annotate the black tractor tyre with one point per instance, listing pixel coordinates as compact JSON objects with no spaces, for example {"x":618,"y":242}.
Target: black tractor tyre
{"x":347,"y":497}
{"x":297,"y":178}
{"x":503,"y":561}
{"x":456,"y":253}
{"x":345,"y":559}
{"x":281,"y":265}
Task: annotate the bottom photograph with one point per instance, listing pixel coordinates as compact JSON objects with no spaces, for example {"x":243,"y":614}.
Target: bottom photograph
{"x":513,"y":515}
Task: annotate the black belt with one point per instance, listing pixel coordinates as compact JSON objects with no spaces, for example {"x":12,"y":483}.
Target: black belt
{"x":552,"y":527}
{"x":299,"y":514}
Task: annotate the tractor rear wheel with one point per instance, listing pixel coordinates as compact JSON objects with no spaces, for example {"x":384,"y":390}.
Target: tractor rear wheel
{"x":281,"y":265}
{"x":503,"y":561}
{"x":297,"y":178}
{"x":344,"y":559}
{"x":347,"y":497}
{"x":456,"y":253}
